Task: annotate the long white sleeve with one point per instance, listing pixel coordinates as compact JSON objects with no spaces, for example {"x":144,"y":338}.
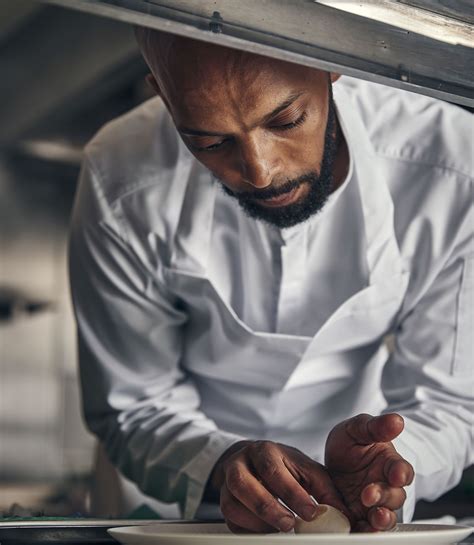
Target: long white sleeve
{"x":135,"y":397}
{"x":430,"y":376}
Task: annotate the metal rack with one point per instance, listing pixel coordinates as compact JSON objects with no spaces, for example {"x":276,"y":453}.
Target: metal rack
{"x":436,"y":59}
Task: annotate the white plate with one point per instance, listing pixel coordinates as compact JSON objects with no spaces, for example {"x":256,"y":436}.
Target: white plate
{"x":217,"y":533}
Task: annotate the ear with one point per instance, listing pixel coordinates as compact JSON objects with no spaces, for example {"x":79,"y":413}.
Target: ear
{"x":334,"y":77}
{"x":151,"y":81}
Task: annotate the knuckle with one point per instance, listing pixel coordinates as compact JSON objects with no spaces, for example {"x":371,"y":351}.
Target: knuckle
{"x":358,"y":420}
{"x":356,"y":425}
{"x":263,"y":448}
{"x":265,"y":509}
{"x":233,"y":459}
{"x":316,"y":468}
{"x":235,"y":478}
{"x":297,"y":501}
{"x":268,"y":469}
{"x":288,"y":493}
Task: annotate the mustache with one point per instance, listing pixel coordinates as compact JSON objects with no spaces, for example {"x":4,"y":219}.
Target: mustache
{"x":272,"y":191}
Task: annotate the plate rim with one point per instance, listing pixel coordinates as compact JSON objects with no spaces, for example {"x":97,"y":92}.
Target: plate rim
{"x":451,"y":529}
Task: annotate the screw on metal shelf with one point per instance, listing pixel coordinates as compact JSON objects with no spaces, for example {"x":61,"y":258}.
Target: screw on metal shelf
{"x":216,"y":22}
{"x":404,"y":73}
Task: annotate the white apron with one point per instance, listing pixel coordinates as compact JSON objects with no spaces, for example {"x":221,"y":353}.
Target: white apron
{"x":276,"y":386}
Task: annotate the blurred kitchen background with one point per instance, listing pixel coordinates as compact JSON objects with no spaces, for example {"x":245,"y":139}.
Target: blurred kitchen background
{"x":63,"y":74}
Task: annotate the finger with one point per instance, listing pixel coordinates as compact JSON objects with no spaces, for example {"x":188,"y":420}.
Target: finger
{"x":365,"y":429}
{"x":243,"y":486}
{"x":381,"y":518}
{"x":398,"y":471}
{"x":319,"y":484}
{"x":238,"y":518}
{"x":270,"y":467}
{"x":380,"y":494}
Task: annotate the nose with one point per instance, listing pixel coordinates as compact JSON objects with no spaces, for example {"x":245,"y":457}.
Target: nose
{"x":255,"y":163}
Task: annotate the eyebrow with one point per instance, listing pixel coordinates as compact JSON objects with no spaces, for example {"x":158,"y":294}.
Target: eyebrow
{"x":266,"y":118}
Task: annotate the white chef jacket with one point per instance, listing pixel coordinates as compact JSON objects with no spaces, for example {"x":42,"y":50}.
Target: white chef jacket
{"x":199,"y":326}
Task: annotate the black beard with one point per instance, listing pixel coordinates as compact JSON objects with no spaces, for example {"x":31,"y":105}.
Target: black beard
{"x":320,"y":186}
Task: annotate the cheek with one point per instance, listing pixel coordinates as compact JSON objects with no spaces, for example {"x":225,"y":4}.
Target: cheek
{"x":304,"y":152}
{"x":311,"y":148}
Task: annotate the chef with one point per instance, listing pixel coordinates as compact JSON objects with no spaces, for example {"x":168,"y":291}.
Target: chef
{"x":272,"y":272}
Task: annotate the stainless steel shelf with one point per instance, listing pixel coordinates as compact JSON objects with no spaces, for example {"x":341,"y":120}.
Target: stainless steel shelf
{"x":322,"y":34}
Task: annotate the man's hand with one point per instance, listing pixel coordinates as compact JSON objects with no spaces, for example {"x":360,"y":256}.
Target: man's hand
{"x":367,"y":470}
{"x":252,"y":475}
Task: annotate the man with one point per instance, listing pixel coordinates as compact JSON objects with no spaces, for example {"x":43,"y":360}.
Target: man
{"x":237,"y":262}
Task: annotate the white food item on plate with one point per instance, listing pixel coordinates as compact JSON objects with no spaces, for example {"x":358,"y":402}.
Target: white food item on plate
{"x":328,"y":520}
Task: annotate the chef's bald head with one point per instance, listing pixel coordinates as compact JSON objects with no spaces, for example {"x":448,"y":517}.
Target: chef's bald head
{"x":161,"y":48}
{"x":156,"y":48}
{"x":179,"y":64}
{"x":154,"y":44}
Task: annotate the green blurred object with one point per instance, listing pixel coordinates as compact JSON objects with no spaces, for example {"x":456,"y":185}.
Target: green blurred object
{"x":468,"y":488}
{"x":144,"y":512}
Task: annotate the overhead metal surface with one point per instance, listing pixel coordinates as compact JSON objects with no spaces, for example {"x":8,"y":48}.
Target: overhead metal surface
{"x":310,"y":33}
{"x":438,"y":26}
{"x":463,"y":10}
{"x":13,"y":14}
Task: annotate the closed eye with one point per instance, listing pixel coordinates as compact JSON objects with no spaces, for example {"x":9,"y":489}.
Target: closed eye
{"x":212,"y":147}
{"x":285,"y":127}
{"x":292,"y":125}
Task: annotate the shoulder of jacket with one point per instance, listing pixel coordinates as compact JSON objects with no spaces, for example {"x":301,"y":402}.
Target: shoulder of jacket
{"x":412,"y":128}
{"x":136,"y":150}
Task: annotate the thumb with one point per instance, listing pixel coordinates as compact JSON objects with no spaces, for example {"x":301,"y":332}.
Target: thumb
{"x":365,"y":429}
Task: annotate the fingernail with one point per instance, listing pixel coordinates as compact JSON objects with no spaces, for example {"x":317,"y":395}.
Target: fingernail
{"x":286,"y":523}
{"x":377,"y":497}
{"x":308,"y":512}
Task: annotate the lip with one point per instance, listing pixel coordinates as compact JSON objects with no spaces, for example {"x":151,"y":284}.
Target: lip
{"x":282,"y":200}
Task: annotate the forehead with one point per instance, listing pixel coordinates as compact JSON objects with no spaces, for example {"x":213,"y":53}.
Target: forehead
{"x":200,"y":76}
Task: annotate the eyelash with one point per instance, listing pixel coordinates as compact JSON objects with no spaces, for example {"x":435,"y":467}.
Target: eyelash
{"x":292,"y":125}
{"x":213,"y":147}
{"x":286,"y":127}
